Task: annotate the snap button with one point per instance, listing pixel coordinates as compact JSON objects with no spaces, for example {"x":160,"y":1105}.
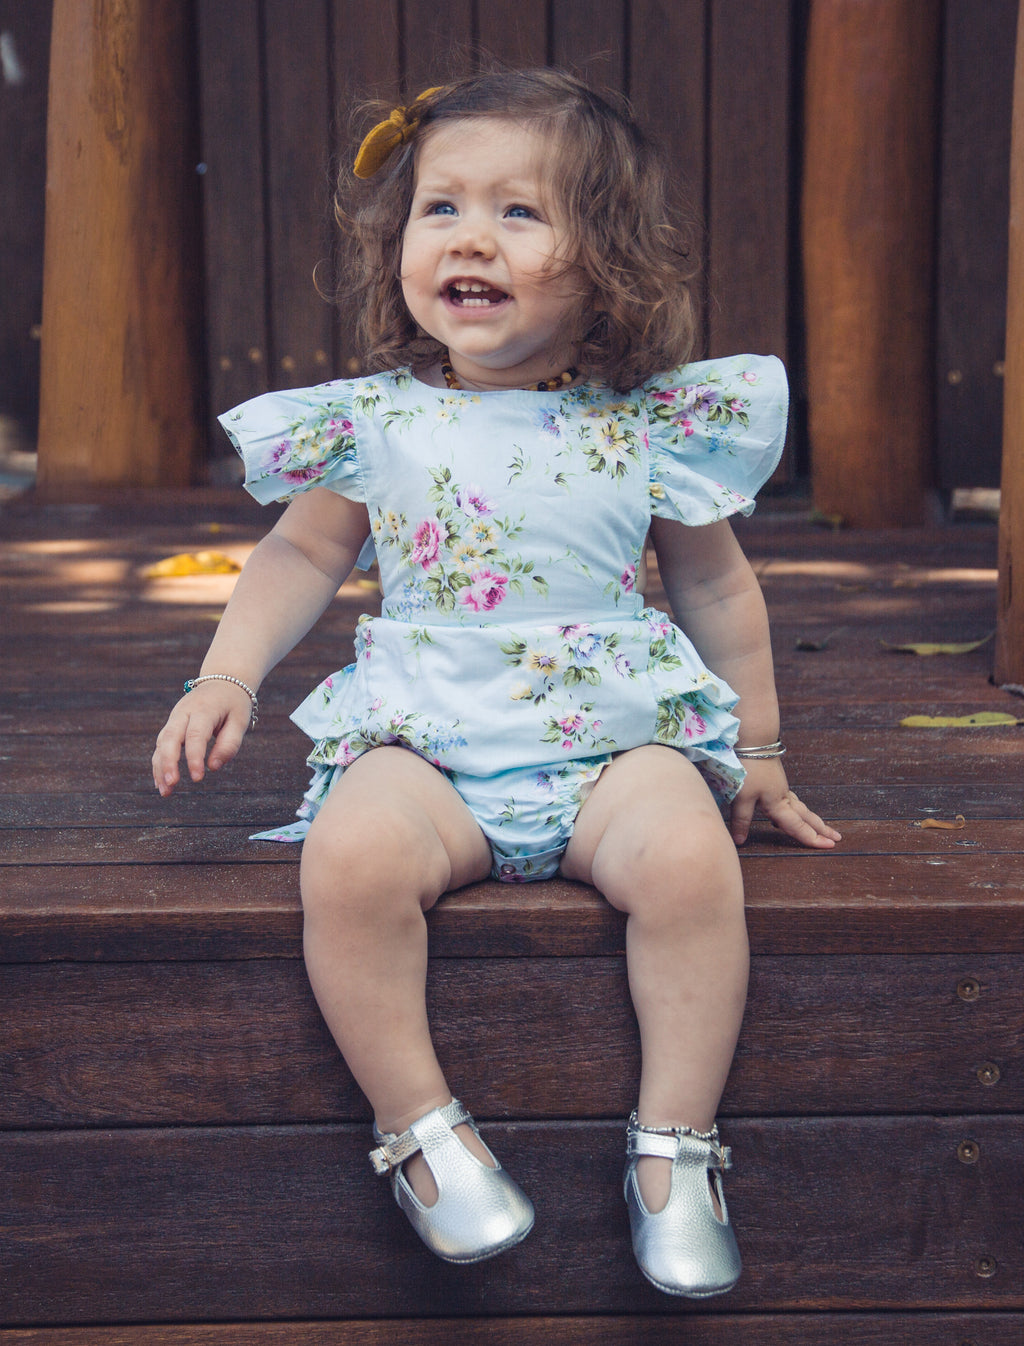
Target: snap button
{"x":507,"y":869}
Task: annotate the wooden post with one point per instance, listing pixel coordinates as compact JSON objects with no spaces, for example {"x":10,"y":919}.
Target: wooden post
{"x":871,"y":131}
{"x":121,"y":343}
{"x":1009,"y":659}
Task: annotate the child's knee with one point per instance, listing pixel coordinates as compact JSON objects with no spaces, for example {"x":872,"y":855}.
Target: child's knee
{"x":688,"y":873}
{"x":372,"y":861}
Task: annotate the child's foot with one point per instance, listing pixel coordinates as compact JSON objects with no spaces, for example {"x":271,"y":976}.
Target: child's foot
{"x":654,"y":1179}
{"x":682,"y":1238}
{"x":417,"y":1170}
{"x":464,"y":1206}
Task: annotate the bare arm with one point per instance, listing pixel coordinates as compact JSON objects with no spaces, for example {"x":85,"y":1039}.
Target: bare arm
{"x":716,"y":599}
{"x":285,"y":586}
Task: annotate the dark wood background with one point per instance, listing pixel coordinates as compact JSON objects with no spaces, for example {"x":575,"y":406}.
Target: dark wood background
{"x":721,"y":82}
{"x":277,"y":76}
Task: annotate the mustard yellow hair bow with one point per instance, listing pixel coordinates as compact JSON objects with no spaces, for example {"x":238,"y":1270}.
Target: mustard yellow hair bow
{"x":386,"y":136}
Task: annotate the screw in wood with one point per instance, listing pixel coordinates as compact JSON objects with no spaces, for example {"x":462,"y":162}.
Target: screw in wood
{"x":988,"y":1073}
{"x":968,"y":988}
{"x":968,"y":1152}
{"x":985,"y":1267}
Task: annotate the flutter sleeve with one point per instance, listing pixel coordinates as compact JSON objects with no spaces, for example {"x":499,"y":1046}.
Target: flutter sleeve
{"x":290,"y":441}
{"x":717,"y":429}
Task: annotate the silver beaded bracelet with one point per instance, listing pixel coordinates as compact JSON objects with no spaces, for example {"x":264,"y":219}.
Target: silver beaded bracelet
{"x":254,"y":714}
{"x":762,"y":753}
{"x":710,"y":1137}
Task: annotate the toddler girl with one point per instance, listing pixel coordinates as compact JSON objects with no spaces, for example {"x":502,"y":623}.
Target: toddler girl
{"x":516,"y":710}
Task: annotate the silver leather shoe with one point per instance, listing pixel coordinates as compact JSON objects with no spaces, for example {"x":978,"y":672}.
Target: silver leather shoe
{"x":684,"y":1249}
{"x":479,"y":1211}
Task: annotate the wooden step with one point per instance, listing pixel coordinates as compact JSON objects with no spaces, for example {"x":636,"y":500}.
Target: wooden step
{"x":180,"y":1143}
{"x":242,"y":1042}
{"x":648,"y":1329}
{"x":288,"y":1221}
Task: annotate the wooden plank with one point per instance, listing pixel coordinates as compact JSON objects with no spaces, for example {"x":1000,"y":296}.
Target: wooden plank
{"x":23,"y":169}
{"x":589,"y":40}
{"x":233,"y":1043}
{"x":797,"y":902}
{"x":277,"y":758}
{"x":750,"y":178}
{"x":674,"y":111}
{"x":911,"y":685}
{"x":868,"y":225}
{"x":973,"y":205}
{"x":515,"y":34}
{"x":1009,"y":663}
{"x":122,"y":239}
{"x":813,"y":712}
{"x":297,"y":107}
{"x":718,"y":1329}
{"x":230,"y":1223}
{"x":360,"y":70}
{"x":234,"y":217}
{"x":261,"y":809}
{"x":164,"y":843}
{"x":436,"y":42}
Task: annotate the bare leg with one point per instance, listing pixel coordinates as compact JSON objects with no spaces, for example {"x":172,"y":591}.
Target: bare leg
{"x":391,"y":838}
{"x":651,"y":839}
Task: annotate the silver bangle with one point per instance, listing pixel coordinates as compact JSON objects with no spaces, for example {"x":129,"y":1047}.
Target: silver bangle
{"x":763,"y":752}
{"x":254,"y":713}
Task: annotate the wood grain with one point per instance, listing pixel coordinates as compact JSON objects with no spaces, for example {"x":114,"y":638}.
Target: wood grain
{"x":868,"y":247}
{"x":90,"y":1044}
{"x":171,"y":1091}
{"x":701,"y":1329}
{"x":275,"y":1222}
{"x":120,"y":398}
{"x":1010,"y":626}
{"x":973,"y":215}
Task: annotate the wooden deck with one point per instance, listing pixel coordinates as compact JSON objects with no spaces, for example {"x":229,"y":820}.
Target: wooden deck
{"x":182,"y":1154}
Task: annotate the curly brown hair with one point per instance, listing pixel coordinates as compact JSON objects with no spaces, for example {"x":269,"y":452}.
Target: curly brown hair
{"x":635,"y":314}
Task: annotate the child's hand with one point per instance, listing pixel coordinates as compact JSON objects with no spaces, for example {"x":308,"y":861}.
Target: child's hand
{"x":766,"y":787}
{"x":215,"y":710}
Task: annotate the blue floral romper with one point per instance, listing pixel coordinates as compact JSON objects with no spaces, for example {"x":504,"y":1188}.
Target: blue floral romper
{"x":512,"y":650}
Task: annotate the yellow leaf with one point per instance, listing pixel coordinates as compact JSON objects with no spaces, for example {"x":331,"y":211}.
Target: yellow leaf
{"x":825,"y":520}
{"x":192,"y":563}
{"x":954,"y":826}
{"x":978,"y":720}
{"x":928,"y":647}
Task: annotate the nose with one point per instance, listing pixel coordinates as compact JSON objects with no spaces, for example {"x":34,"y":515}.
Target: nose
{"x":473,"y":236}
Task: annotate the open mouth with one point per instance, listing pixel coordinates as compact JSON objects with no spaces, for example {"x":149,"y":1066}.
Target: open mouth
{"x":474,"y":294}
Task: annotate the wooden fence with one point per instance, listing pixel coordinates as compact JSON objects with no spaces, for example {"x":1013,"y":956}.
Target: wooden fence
{"x":715,"y":82}
{"x":721,"y":79}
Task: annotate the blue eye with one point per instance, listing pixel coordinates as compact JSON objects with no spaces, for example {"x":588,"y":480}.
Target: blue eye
{"x":441,"y":208}
{"x":520,"y":213}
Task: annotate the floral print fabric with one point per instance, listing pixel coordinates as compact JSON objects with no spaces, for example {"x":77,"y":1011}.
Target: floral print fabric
{"x":509,"y":529}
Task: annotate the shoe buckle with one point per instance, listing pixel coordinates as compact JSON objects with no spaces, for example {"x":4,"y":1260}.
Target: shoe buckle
{"x":381,"y":1161}
{"x":721,"y":1158}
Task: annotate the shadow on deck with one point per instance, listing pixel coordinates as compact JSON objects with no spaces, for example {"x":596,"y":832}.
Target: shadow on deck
{"x":180,"y":1144}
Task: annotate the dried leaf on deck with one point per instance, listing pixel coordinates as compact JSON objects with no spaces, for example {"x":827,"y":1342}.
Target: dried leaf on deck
{"x":979,"y":720}
{"x":825,"y":520}
{"x":803,"y":643}
{"x":192,"y":563}
{"x":954,"y":826}
{"x":930,"y":647}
